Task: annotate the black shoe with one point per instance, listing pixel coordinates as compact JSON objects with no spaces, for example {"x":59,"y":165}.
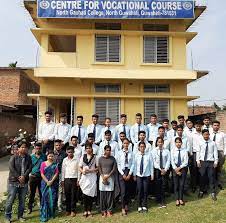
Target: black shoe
{"x":214,"y":197}
{"x":200,"y":195}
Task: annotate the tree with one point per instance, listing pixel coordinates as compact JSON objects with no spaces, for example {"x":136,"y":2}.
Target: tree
{"x":13,"y":65}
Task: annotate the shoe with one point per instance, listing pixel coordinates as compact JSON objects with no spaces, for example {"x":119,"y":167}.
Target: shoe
{"x":73,"y":214}
{"x":140,"y":209}
{"x":182,"y":202}
{"x":177,"y":203}
{"x":144,"y":209}
{"x":200,"y":195}
{"x":109,"y":214}
{"x":163,"y":205}
{"x":104,"y":214}
{"x":21,"y":219}
{"x":214,"y":198}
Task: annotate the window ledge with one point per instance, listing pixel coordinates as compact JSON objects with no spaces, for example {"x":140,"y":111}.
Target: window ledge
{"x":109,"y":63}
{"x":157,"y":64}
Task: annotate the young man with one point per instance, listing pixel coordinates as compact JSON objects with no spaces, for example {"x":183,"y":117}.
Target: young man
{"x":35,"y":177}
{"x":122,"y":136}
{"x":79,"y":130}
{"x":20,"y":166}
{"x":62,"y":131}
{"x":172,"y":132}
{"x":46,"y":132}
{"x":108,"y":141}
{"x":95,"y":128}
{"x":107,"y":169}
{"x":142,"y":138}
{"x":136,"y":128}
{"x":161,"y":134}
{"x":207,"y":160}
{"x":189,"y":128}
{"x":206,"y":124}
{"x":77,"y":147}
{"x":108,"y":126}
{"x":70,"y":176}
{"x":219,"y":138}
{"x":181,"y":120}
{"x":90,"y":141}
{"x":165,"y":124}
{"x":122,"y":127}
{"x":152,"y":128}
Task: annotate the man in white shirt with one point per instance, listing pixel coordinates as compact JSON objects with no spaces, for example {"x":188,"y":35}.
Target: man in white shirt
{"x":189,"y":129}
{"x":219,"y":138}
{"x":207,"y":160}
{"x":206,"y":124}
{"x":95,"y":128}
{"x":161,"y":133}
{"x":136,"y":128}
{"x":181,"y":120}
{"x":90,"y":141}
{"x":172,"y":132}
{"x":46,"y":132}
{"x":152,"y":128}
{"x":122,"y":127}
{"x":142,"y":138}
{"x":79,"y":130}
{"x":122,"y":136}
{"x":108,"y":126}
{"x":165,"y":124}
{"x":77,"y":147}
{"x":62,"y":131}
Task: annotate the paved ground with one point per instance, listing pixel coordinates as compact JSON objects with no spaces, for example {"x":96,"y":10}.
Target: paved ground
{"x":3,"y":175}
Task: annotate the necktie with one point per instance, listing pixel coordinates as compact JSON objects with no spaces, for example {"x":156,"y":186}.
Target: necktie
{"x":190,"y":130}
{"x":126,"y":158}
{"x":79,"y":134}
{"x":108,"y":143}
{"x":161,"y":160}
{"x":142,"y":165}
{"x":175,"y":133}
{"x":214,"y":138}
{"x":207,"y":127}
{"x":206,"y":152}
{"x":179,"y":159}
{"x":94,"y":131}
{"x":108,"y":127}
{"x":138,"y":131}
{"x":124,"y":129}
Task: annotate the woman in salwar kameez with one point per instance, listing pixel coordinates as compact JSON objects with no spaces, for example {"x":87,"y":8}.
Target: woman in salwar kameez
{"x":49,"y":188}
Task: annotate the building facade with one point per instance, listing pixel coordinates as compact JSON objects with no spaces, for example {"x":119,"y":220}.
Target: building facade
{"x":113,"y":66}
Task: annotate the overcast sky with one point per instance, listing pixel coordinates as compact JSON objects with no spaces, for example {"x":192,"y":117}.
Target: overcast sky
{"x":207,"y":49}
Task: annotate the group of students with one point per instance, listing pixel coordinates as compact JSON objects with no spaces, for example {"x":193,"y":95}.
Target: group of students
{"x":108,"y":164}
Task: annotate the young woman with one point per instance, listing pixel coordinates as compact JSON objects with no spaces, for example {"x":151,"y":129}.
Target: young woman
{"x":179,"y":162}
{"x":88,"y":168}
{"x":49,"y":187}
{"x":161,"y":159}
{"x":143,"y":171}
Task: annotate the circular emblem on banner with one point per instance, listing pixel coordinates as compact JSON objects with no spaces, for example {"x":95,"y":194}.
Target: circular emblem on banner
{"x":187,"y":5}
{"x":44,"y":4}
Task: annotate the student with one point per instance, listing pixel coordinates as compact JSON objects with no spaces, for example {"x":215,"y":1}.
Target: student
{"x":90,"y":141}
{"x":108,"y":141}
{"x":196,"y":138}
{"x":142,"y":171}
{"x":172,"y":132}
{"x":122,"y":136}
{"x":206,"y":124}
{"x":107,"y":168}
{"x":122,"y":127}
{"x":95,"y":128}
{"x":207,"y":160}
{"x":79,"y":130}
{"x":70,"y":176}
{"x":77,"y":147}
{"x":189,"y":128}
{"x":161,"y":160}
{"x":46,"y":132}
{"x":181,"y":120}
{"x":179,"y":162}
{"x":142,"y":138}
{"x":152,"y":128}
{"x":35,"y":177}
{"x":161,"y":133}
{"x":219,"y":138}
{"x":49,"y":188}
{"x":108,"y":126}
{"x":124,"y":163}
{"x":165,"y":124}
{"x":136,"y":128}
{"x":88,"y":167}
{"x":20,"y":166}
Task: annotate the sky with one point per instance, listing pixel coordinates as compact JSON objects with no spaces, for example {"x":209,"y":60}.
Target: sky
{"x":207,"y":49}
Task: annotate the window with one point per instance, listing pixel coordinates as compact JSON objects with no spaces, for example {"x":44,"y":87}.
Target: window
{"x":155,"y":27}
{"x":107,"y":48}
{"x":107,"y":108}
{"x":108,"y":26}
{"x":155,"y":49}
{"x":62,"y":43}
{"x":158,"y":107}
{"x":160,"y":88}
{"x":110,"y":88}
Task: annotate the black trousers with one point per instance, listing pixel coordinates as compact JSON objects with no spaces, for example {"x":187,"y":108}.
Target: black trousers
{"x":179,"y":182}
{"x":207,"y":169}
{"x":194,"y":171}
{"x":106,"y":201}
{"x":87,"y":202}
{"x":70,"y":189}
{"x":125,"y":189}
{"x":219,"y":169}
{"x":48,"y":146}
{"x":34,"y":184}
{"x":142,"y":190}
{"x":160,"y":185}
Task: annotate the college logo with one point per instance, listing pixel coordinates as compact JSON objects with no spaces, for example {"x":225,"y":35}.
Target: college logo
{"x":187,"y":5}
{"x":44,"y":4}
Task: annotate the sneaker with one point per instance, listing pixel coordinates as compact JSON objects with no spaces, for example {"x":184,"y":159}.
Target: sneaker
{"x":140,"y":209}
{"x":109,"y":214}
{"x":214,"y":198}
{"x":162,"y":205}
{"x":144,"y":209}
{"x":21,"y":219}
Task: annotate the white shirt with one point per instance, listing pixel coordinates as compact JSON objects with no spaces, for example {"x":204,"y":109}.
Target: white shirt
{"x":171,"y":133}
{"x":62,"y":132}
{"x":185,"y":144}
{"x":113,"y":145}
{"x":104,"y":129}
{"x":188,"y":132}
{"x":90,"y":129}
{"x":220,"y":141}
{"x":121,"y":157}
{"x":46,"y":131}
{"x":210,"y":128}
{"x":166,"y":142}
{"x":95,"y":149}
{"x":152,"y":131}
{"x":70,"y":168}
{"x":134,"y":132}
{"x":174,"y":157}
{"x":75,"y":131}
{"x":212,"y":154}
{"x":196,"y":138}
{"x":120,"y":128}
{"x":165,"y":158}
{"x":77,"y":151}
{"x":147,"y":149}
{"x":120,"y":145}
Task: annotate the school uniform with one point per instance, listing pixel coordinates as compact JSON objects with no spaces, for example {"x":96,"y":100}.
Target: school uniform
{"x":209,"y":127}
{"x":166,"y":142}
{"x":120,"y":146}
{"x":104,"y":129}
{"x":96,"y":130}
{"x":124,"y":163}
{"x":152,"y":130}
{"x":143,"y":169}
{"x":112,"y":144}
{"x":207,"y":156}
{"x":95,"y":149}
{"x":171,"y":134}
{"x":179,"y":158}
{"x":134,"y":132}
{"x":189,"y":131}
{"x":122,"y":128}
{"x":147,"y":149}
{"x":161,"y":160}
{"x":185,"y":143}
{"x":80,"y":132}
{"x":78,"y":150}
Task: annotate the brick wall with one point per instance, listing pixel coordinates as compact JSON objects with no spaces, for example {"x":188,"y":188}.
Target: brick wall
{"x":221,"y":117}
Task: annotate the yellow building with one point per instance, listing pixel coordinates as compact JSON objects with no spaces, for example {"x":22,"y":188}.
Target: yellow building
{"x":112,"y":66}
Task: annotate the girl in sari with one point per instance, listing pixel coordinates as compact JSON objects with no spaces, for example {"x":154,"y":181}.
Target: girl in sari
{"x":88,"y":181}
{"x":49,"y":188}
